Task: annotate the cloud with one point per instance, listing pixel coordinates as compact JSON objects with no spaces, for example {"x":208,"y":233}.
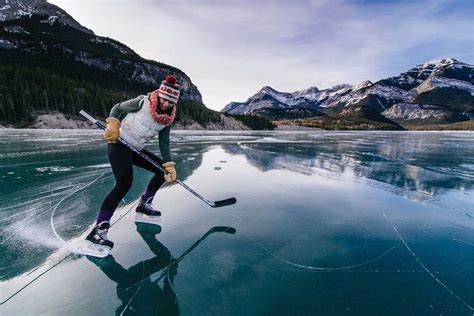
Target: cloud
{"x":230,"y":49}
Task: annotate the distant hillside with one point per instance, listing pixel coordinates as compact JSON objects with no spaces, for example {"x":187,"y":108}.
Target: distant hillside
{"x":460,"y":126}
{"x":292,"y":113}
{"x":435,"y":93}
{"x":50,"y":66}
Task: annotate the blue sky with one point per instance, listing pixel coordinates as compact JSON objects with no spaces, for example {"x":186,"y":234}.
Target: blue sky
{"x":230,"y":49}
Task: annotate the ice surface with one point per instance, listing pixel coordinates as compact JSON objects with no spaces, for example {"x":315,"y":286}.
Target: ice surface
{"x":325,"y":223}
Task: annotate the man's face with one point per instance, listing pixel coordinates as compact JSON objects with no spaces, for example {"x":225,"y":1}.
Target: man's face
{"x":165,"y":104}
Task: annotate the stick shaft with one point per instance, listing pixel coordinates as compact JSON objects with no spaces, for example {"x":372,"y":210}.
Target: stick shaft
{"x":102,"y":126}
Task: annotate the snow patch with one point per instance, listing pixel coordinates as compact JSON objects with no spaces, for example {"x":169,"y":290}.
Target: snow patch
{"x":51,"y":20}
{"x":20,"y":12}
{"x":54,"y":169}
{"x":100,"y":166}
{"x":438,"y":62}
{"x":7,"y":44}
{"x":409,"y":111}
{"x":442,"y":82}
{"x":94,"y":62}
{"x":122,"y":49}
{"x":434,"y":67}
{"x":387,"y":92}
{"x":279,"y":96}
{"x":362,"y":85}
{"x":15,"y":29}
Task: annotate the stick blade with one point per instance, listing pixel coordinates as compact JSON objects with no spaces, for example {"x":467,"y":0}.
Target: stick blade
{"x":225,"y":202}
{"x":224,"y":229}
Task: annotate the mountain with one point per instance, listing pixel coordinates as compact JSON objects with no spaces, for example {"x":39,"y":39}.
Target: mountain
{"x":437,"y":92}
{"x":49,"y":63}
{"x":447,"y":68}
{"x":16,"y":9}
{"x":268,"y":97}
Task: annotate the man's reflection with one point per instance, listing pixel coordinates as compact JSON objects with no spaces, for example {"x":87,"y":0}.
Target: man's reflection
{"x":137,"y":290}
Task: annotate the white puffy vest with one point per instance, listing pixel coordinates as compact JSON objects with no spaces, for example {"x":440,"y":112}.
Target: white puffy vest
{"x":139,"y":127}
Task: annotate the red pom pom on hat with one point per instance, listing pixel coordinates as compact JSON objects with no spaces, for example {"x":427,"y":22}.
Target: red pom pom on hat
{"x":169,"y":89}
{"x":170,"y":79}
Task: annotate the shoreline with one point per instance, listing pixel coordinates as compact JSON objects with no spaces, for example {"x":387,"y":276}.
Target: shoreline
{"x":57,"y":120}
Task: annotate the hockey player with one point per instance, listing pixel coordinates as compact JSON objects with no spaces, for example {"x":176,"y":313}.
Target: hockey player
{"x":136,"y":121}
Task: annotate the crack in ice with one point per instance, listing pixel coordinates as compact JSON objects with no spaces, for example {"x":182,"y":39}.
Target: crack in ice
{"x":425,"y":268}
{"x":56,"y":207}
{"x":320,"y":268}
{"x":136,"y":292}
{"x":463,"y":242}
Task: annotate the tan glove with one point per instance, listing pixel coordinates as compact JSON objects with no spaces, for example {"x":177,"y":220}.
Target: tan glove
{"x":112,"y":132}
{"x":169,"y":167}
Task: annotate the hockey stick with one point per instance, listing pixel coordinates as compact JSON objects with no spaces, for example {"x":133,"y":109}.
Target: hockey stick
{"x":220,"y":203}
{"x":216,"y":229}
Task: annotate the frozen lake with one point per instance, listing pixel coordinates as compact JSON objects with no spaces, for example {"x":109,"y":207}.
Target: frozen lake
{"x":325,"y":223}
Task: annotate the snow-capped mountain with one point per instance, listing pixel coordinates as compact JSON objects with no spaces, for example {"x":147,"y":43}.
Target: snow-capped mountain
{"x":268,"y":97}
{"x":425,"y":91}
{"x":343,"y":94}
{"x":16,"y":9}
{"x":51,"y":63}
{"x":448,"y":68}
{"x":436,"y":82}
{"x":38,"y":28}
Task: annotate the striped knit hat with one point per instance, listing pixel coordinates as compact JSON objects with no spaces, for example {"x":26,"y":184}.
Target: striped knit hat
{"x":169,"y":89}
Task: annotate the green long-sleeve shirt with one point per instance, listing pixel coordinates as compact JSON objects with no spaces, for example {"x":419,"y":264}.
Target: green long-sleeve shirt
{"x":120,"y":110}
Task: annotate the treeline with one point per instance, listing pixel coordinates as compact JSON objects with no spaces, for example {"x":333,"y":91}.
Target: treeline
{"x":254,"y":121}
{"x":26,"y":91}
{"x":459,"y":126}
{"x":43,"y":76}
{"x":355,"y":118}
{"x":189,"y":110}
{"x":195,"y":111}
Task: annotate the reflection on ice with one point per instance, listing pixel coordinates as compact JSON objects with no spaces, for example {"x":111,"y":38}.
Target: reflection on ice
{"x":419,"y":166}
{"x":371,"y":222}
{"x":138,"y":287}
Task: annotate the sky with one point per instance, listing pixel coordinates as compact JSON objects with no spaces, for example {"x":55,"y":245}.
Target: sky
{"x":232,"y":48}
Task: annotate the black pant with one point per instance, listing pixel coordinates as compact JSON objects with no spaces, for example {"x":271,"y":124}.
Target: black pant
{"x":122,"y":160}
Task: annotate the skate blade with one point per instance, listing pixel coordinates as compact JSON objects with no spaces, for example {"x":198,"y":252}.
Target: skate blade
{"x":143,"y":218}
{"x":89,"y":249}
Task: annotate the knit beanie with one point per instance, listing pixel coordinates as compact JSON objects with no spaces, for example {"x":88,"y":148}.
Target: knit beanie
{"x":169,"y":89}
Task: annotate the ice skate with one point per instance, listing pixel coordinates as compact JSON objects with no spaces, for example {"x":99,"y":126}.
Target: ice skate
{"x":145,"y":213}
{"x":97,"y":244}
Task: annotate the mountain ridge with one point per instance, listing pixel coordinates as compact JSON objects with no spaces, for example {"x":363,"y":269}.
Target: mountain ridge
{"x":15,"y":9}
{"x":447,"y":84}
{"x":51,"y":67}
